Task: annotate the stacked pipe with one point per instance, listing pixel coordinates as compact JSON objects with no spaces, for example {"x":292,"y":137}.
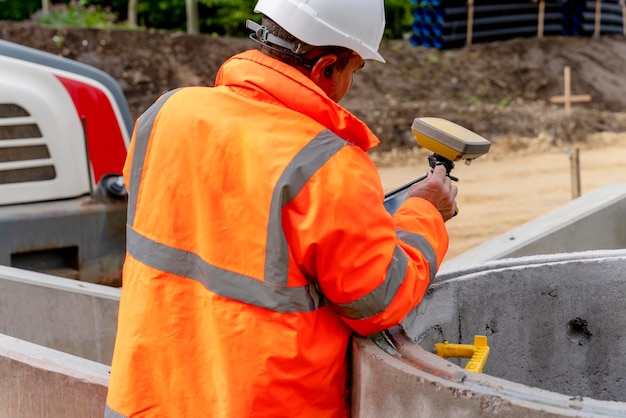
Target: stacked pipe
{"x":580,"y":17}
{"x":444,"y":23}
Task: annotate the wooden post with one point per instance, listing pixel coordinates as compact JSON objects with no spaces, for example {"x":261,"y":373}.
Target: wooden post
{"x":542,"y":11}
{"x":596,"y":28}
{"x":193,"y":23}
{"x":470,"y":22}
{"x":574,"y":158}
{"x":132,"y":13}
{"x":567,"y":89}
{"x":45,"y":7}
{"x":567,"y":97}
{"x":623,"y":4}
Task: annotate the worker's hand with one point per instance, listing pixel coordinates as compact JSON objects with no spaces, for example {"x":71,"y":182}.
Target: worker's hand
{"x":439,"y":190}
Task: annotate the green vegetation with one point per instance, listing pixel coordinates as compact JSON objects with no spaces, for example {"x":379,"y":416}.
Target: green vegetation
{"x":77,"y":14}
{"x":415,"y":74}
{"x":18,"y":9}
{"x":219,"y":17}
{"x":433,"y":59}
{"x":475,"y":100}
{"x":505,"y":101}
{"x":399,"y":18}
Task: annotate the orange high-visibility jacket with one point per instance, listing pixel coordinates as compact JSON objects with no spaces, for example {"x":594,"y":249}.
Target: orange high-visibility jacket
{"x":257,"y":241}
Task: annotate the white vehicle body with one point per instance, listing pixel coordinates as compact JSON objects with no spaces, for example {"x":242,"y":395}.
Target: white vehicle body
{"x":64,"y":132}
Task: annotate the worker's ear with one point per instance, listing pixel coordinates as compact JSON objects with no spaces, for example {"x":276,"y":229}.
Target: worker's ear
{"x":328,"y":71}
{"x":323,"y":69}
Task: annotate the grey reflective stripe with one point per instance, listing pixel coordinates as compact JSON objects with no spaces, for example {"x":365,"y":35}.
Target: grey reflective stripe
{"x":222,"y":282}
{"x":380,"y":298}
{"x":109,"y":413}
{"x":144,"y":128}
{"x":297,"y":173}
{"x":422,"y":245}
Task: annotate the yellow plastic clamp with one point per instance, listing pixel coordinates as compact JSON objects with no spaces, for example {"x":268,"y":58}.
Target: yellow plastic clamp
{"x":477,"y":353}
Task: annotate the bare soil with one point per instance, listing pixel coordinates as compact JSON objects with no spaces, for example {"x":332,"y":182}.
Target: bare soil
{"x":500,"y":90}
{"x":502,"y":191}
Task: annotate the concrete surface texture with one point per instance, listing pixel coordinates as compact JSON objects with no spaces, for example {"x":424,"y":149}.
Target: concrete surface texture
{"x":594,"y":221}
{"x":75,"y":317}
{"x":40,"y":382}
{"x":554,"y":324}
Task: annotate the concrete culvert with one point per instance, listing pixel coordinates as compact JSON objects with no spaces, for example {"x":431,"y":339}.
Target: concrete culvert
{"x":555,"y":326}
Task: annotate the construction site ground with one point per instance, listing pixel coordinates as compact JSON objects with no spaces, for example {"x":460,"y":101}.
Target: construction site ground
{"x":501,"y":90}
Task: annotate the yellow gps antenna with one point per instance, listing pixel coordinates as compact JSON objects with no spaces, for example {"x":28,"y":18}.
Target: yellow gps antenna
{"x":449,"y":142}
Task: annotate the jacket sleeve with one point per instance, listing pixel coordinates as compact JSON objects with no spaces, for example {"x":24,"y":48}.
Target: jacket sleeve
{"x":372,"y":267}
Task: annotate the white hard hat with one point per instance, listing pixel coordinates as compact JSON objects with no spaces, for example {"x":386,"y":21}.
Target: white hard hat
{"x":354,"y":24}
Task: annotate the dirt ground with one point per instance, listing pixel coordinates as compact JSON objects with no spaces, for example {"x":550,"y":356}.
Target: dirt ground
{"x":500,"y":90}
{"x":500,"y":192}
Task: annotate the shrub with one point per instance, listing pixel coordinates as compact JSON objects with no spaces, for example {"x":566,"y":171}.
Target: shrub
{"x":77,"y":14}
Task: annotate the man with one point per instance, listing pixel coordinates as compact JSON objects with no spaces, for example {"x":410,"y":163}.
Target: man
{"x":257,"y":237}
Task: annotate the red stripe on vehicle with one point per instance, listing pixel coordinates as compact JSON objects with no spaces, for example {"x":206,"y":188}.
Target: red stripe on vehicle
{"x":107,"y":149}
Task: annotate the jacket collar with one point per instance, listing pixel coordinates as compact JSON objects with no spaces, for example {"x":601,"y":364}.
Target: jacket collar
{"x":270,"y":80}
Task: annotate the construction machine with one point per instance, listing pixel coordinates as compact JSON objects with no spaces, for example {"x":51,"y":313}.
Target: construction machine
{"x":64,"y":133}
